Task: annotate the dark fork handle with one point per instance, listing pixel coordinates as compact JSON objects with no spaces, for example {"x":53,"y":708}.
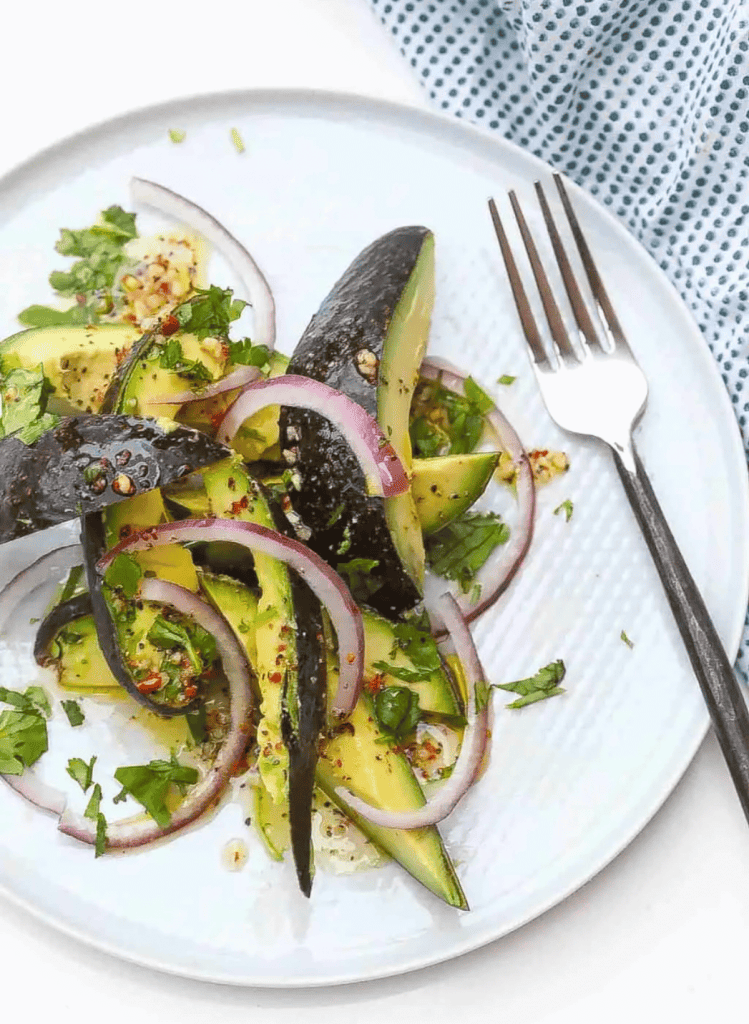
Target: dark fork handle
{"x":714,"y":672}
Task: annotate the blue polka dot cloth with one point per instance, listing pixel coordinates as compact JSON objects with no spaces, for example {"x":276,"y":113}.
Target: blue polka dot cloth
{"x":644,"y":103}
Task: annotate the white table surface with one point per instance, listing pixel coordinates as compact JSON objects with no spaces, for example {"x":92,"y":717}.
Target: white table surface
{"x":663,"y":932}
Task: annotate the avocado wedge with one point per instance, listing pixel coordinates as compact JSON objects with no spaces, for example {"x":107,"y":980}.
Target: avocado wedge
{"x":367,"y":340}
{"x":444,"y":487}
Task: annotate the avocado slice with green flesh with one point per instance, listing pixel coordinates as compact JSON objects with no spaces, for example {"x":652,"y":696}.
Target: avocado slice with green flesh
{"x":437,"y":694}
{"x":79,"y":362}
{"x":444,"y":487}
{"x":366,"y":340}
{"x":360,"y":758}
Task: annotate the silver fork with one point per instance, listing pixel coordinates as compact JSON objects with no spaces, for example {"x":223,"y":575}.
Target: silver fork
{"x":600,"y":391}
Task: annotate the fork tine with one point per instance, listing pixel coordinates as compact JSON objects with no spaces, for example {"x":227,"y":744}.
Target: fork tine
{"x":600,"y":294}
{"x":554,"y":317}
{"x":577,"y":302}
{"x":525,"y":313}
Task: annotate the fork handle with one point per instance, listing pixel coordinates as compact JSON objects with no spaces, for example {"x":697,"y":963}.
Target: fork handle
{"x":714,"y":672}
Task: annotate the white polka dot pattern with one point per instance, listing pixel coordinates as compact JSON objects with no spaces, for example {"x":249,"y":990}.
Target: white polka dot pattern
{"x":644,"y":103}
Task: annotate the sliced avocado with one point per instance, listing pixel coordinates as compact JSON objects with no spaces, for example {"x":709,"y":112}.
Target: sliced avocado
{"x":436,"y":694}
{"x":233,"y":494}
{"x":79,"y":362}
{"x":360,"y":758}
{"x":78,"y":661}
{"x":237,"y":604}
{"x":444,"y":487}
{"x":366,"y":340}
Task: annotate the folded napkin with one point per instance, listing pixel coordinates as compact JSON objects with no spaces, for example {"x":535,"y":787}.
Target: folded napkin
{"x":644,"y":103}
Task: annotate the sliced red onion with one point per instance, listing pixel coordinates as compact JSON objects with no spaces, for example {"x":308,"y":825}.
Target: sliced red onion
{"x":238,"y":378}
{"x":54,"y":563}
{"x":471,"y":749}
{"x":382,"y":468}
{"x":38,"y":793}
{"x":139,"y":830}
{"x":496,"y":574}
{"x":258,"y":293}
{"x":326,"y":584}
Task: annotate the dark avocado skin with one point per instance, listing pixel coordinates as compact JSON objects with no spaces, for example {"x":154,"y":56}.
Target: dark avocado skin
{"x":302,"y":742}
{"x":355,"y":316}
{"x":87,"y":463}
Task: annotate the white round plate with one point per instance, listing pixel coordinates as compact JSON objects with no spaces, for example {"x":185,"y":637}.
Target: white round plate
{"x":571,"y":780}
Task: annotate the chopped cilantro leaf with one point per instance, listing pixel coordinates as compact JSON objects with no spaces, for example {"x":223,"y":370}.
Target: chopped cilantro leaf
{"x":544,"y":684}
{"x":357,"y":571}
{"x":124,"y":574}
{"x":149,"y":784}
{"x":397,"y":710}
{"x":243,"y":352}
{"x":93,"y":813}
{"x":81,"y":772}
{"x":197,"y":724}
{"x":47,"y":316}
{"x":415,"y":640}
{"x":444,"y":423}
{"x":94,"y":803}
{"x":566,"y":507}
{"x":23,"y":740}
{"x":33,"y":700}
{"x":236,"y":138}
{"x":24,"y":395}
{"x":336,"y":514}
{"x":626,"y":640}
{"x":506,"y":379}
{"x":210,"y":313}
{"x":459,"y":550}
{"x":173,"y":358}
{"x":197,"y":643}
{"x":73,"y":710}
{"x":177,"y":136}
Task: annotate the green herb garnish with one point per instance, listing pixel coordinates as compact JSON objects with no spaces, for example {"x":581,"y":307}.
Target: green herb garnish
{"x":245,"y":353}
{"x":539,"y":687}
{"x":24,"y":395}
{"x":124,"y":574}
{"x":100,"y":255}
{"x":197,"y":643}
{"x":149,"y":785}
{"x":173,"y":358}
{"x":459,"y":550}
{"x":566,"y":507}
{"x":357,"y":573}
{"x":23,"y":740}
{"x":625,"y":638}
{"x":236,"y":139}
{"x":397,"y":711}
{"x":81,"y":772}
{"x":177,"y":136}
{"x":506,"y":378}
{"x":210,"y":313}
{"x":73,"y":710}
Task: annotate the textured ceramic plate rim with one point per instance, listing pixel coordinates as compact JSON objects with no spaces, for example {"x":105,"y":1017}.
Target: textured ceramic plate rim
{"x":492,"y":148}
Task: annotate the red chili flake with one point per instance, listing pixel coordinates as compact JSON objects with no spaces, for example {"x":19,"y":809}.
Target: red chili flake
{"x":339,"y":763}
{"x":281,"y":647}
{"x":169,"y":325}
{"x":150,"y":684}
{"x":275,"y":677}
{"x":238,"y":506}
{"x":375,"y":684}
{"x":351,"y":658}
{"x":190,"y":692}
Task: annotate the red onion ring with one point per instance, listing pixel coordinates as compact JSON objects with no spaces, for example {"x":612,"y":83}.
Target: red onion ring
{"x":471,"y":749}
{"x":139,"y":830}
{"x":238,"y":378}
{"x":39,"y":572}
{"x":28,"y":785}
{"x":383,"y":470}
{"x":257,"y":290}
{"x":497,"y":573}
{"x":326,"y":584}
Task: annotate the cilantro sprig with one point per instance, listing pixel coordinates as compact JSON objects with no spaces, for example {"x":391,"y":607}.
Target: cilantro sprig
{"x":541,"y":686}
{"x":414,"y":639}
{"x":23,"y":410}
{"x":100,"y":254}
{"x":197,"y":643}
{"x":447,"y":423}
{"x":397,"y":711}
